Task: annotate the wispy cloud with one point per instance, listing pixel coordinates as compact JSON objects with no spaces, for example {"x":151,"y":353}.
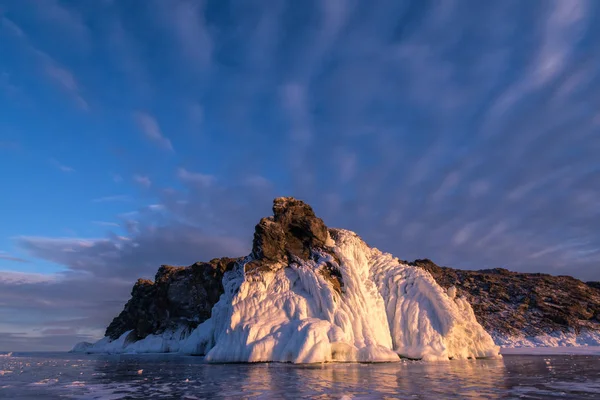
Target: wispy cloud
{"x":187,"y":20}
{"x":60,"y":75}
{"x":118,"y":197}
{"x":12,"y":27}
{"x":6,"y":256}
{"x":60,"y":166}
{"x":562,"y":28}
{"x":65,"y":79}
{"x":257,"y":181}
{"x":295,"y":102}
{"x":195,"y":177}
{"x":150,"y":128}
{"x":21,"y":278}
{"x":65,"y":20}
{"x":105,"y":223}
{"x":142,"y":180}
{"x":127,"y":55}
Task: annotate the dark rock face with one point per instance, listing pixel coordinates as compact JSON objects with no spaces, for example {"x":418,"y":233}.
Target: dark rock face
{"x":511,"y":303}
{"x":595,"y":285}
{"x":179,"y":296}
{"x":293,"y":231}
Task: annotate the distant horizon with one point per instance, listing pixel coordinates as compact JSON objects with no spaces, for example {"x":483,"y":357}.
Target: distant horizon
{"x":463,"y":132}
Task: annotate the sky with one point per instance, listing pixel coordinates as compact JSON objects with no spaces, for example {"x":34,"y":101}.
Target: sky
{"x":141,"y":133}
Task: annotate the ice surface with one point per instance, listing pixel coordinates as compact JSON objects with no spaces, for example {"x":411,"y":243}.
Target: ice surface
{"x":385,"y":310}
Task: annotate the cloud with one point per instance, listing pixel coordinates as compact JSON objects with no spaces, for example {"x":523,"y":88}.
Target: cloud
{"x":59,"y":310}
{"x":65,"y":20}
{"x":105,"y":223}
{"x":294,"y":99}
{"x":47,"y":342}
{"x":142,"y":180}
{"x":151,"y":130}
{"x":130,"y":258}
{"x":67,"y":81}
{"x":186,"y":19}
{"x":5,"y":256}
{"x":60,"y":75}
{"x":118,"y":197}
{"x":127,"y":53}
{"x":564,"y":25}
{"x":12,"y":27}
{"x":62,"y":167}
{"x":22,"y":278}
{"x":257,"y":181}
{"x":53,"y":312}
{"x":195,"y":177}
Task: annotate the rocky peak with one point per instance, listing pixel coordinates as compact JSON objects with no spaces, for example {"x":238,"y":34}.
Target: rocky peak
{"x":292,"y":232}
{"x":166,"y":272}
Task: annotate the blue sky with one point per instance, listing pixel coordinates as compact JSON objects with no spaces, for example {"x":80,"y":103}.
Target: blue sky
{"x":137,"y":133}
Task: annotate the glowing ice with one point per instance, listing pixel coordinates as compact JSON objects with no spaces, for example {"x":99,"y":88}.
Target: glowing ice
{"x":384,"y":310}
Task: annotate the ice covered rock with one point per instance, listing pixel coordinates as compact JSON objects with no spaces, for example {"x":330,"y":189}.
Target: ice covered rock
{"x":305,"y":294}
{"x":519,"y":307}
{"x":81,"y":347}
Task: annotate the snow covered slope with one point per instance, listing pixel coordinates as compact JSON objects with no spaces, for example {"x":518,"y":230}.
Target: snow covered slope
{"x":322,"y":295}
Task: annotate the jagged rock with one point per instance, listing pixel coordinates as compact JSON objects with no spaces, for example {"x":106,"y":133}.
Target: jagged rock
{"x":178,"y":296}
{"x":510,"y":303}
{"x":293,"y":231}
{"x":594,"y":284}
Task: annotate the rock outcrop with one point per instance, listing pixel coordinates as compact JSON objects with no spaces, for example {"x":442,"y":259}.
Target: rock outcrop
{"x":179,"y":296}
{"x":505,"y":303}
{"x":294,"y":232}
{"x":509,"y":303}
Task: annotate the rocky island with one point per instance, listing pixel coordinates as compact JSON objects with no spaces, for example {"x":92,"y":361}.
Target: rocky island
{"x":309,"y":293}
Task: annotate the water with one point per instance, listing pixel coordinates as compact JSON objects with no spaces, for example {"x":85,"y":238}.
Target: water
{"x":76,"y":376}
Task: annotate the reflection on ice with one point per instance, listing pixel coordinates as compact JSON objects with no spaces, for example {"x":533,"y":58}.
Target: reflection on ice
{"x":175,"y":376}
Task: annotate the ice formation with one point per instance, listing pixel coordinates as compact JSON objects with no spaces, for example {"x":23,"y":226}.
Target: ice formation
{"x":293,"y":313}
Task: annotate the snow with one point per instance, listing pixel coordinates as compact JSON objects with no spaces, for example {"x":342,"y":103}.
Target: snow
{"x":556,"y":339}
{"x":385,"y":310}
{"x":552,"y":351}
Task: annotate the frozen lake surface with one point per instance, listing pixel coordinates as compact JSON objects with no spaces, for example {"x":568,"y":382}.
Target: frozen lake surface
{"x":77,"y":376}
